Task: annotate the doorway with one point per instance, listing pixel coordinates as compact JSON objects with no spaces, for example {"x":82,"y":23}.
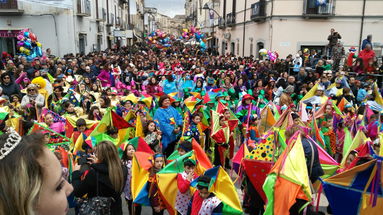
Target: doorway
{"x":82,"y":43}
{"x":260,"y":45}
{"x":232,"y":48}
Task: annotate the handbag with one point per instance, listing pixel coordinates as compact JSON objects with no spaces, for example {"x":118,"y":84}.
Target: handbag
{"x":97,"y":205}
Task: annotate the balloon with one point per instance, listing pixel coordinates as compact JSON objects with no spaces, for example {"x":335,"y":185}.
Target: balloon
{"x":27,"y":51}
{"x":39,"y":52}
{"x":20,"y":37}
{"x":20,"y":43}
{"x":32,"y":36}
{"x":27,"y":45}
{"x":185,"y":30}
{"x":263,"y":52}
{"x":26,"y":34}
{"x":22,"y":49}
{"x":150,"y":38}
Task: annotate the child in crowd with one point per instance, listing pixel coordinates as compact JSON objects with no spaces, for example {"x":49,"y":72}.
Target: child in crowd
{"x":203,"y":201}
{"x":127,"y":162}
{"x":193,"y":131}
{"x":183,"y":184}
{"x":184,"y":147}
{"x":153,"y":136}
{"x":156,"y":202}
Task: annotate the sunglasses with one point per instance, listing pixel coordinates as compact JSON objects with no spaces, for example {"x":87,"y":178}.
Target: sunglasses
{"x":6,"y":78}
{"x":29,"y":90}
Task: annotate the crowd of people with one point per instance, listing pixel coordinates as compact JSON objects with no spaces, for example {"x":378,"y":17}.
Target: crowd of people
{"x":172,"y":98}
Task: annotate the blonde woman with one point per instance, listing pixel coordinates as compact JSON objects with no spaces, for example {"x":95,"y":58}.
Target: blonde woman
{"x":106,"y":173}
{"x":32,"y":180}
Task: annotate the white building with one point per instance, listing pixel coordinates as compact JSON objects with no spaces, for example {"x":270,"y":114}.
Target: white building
{"x":65,"y":26}
{"x":288,"y":26}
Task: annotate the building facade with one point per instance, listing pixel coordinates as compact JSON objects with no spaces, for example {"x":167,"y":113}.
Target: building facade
{"x":290,"y":26}
{"x":66,"y":26}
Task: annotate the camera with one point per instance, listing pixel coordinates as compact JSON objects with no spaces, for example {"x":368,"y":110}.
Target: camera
{"x":83,"y":159}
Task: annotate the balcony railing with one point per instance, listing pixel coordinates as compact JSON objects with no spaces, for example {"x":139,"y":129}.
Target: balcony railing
{"x":83,"y":8}
{"x":312,"y":9}
{"x":9,"y":8}
{"x":230,"y":19}
{"x":258,"y":11}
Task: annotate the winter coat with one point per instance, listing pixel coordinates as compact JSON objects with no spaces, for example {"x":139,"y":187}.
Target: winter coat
{"x":98,"y":175}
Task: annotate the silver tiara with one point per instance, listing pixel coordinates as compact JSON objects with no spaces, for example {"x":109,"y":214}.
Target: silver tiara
{"x":12,"y":141}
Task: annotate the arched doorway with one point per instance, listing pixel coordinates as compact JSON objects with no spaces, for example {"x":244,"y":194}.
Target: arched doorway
{"x":260,"y":45}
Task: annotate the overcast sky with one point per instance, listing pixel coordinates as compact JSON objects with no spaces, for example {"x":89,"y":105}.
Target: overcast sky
{"x":167,"y":7}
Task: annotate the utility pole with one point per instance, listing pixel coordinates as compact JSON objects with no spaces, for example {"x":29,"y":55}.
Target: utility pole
{"x":362,"y":25}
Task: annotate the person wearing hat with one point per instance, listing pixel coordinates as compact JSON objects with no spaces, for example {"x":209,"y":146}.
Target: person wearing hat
{"x":170,"y":123}
{"x":243,"y":109}
{"x":204,"y":201}
{"x":32,"y":98}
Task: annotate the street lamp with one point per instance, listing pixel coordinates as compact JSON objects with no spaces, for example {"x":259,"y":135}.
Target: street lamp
{"x":206,"y":7}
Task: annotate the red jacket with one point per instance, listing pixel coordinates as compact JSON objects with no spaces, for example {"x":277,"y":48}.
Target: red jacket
{"x":366,"y":56}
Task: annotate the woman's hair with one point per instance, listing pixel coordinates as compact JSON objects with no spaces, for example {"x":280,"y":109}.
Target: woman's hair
{"x":22,"y":176}
{"x":91,"y":115}
{"x":107,"y":153}
{"x":146,"y":128}
{"x":106,"y":101}
{"x":66,"y":104}
{"x":124,"y":156}
{"x":162,"y":98}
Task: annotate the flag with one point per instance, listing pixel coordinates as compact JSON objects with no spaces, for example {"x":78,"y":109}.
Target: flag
{"x":140,"y":176}
{"x":222,"y":186}
{"x":378,"y":96}
{"x":110,"y":118}
{"x":264,"y":149}
{"x":70,"y":124}
{"x":351,"y":144}
{"x":287,"y":181}
{"x":310,"y":93}
{"x":190,"y":103}
{"x":342,"y":103}
{"x":239,"y":156}
{"x":203,"y":160}
{"x":54,"y":137}
{"x":167,"y":180}
{"x":131,"y":97}
{"x":267,"y":120}
{"x":139,"y":127}
{"x":357,"y":190}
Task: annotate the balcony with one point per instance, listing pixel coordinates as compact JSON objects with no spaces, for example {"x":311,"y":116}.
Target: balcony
{"x":111,"y":20}
{"x":258,"y":11}
{"x":83,"y":8}
{"x":230,"y":19}
{"x":10,"y":8}
{"x":313,"y":10}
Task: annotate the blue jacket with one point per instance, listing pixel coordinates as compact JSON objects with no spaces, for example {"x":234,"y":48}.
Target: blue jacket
{"x":365,"y":42}
{"x":163,"y":117}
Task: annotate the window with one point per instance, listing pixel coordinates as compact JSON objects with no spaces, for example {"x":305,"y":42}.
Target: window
{"x":313,"y":8}
{"x":8,"y":4}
